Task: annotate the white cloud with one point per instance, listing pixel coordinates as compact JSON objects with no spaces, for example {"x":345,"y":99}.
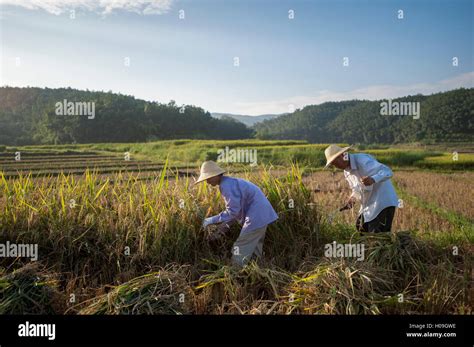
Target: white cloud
{"x":375,"y":92}
{"x":104,"y":7}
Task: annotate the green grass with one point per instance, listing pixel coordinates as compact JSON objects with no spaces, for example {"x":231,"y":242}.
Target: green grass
{"x":190,"y":153}
{"x":465,"y":161}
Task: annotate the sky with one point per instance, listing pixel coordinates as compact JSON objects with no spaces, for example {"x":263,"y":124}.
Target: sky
{"x":240,"y":56}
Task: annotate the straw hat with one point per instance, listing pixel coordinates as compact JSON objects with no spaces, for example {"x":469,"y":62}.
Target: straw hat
{"x":332,"y":152}
{"x":209,"y":169}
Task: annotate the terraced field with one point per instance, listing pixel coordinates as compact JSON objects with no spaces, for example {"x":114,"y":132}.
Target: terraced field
{"x":52,"y":163}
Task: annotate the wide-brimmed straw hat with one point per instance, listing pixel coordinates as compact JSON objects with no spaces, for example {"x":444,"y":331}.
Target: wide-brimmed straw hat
{"x":332,"y":152}
{"x":209,"y":169}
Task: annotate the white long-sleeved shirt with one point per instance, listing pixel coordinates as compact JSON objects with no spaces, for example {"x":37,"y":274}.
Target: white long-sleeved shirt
{"x":376,"y":197}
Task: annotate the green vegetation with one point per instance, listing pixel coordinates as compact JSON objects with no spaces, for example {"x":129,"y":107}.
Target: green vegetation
{"x":29,"y":290}
{"x":444,"y":117}
{"x":446,"y":161}
{"x":134,"y":247}
{"x":127,"y":241}
{"x":190,"y":153}
{"x":27,"y":117}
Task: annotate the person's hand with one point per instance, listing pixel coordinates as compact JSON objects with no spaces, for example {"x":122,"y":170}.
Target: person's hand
{"x":206,"y":222}
{"x":367,"y":180}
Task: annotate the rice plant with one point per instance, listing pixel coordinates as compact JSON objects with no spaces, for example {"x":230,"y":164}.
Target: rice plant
{"x":126,"y":245}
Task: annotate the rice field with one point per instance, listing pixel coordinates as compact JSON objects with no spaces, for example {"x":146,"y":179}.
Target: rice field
{"x":189,"y":153}
{"x":122,"y":236}
{"x":430,"y":201}
{"x":56,"y":163}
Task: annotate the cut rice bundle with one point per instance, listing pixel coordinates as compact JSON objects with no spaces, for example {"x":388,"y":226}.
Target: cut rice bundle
{"x":30,"y":290}
{"x":162,"y":292}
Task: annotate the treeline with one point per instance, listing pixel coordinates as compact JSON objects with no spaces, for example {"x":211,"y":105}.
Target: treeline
{"x":444,"y":117}
{"x":29,"y":116}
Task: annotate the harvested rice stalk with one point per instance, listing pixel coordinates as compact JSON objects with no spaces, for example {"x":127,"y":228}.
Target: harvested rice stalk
{"x":237,"y":290}
{"x":398,"y":252}
{"x":162,"y":292}
{"x":30,"y":290}
{"x":338,"y":287}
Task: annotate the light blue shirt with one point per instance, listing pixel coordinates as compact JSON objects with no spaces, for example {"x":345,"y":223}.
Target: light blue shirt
{"x":376,"y":197}
{"x":245,"y":203}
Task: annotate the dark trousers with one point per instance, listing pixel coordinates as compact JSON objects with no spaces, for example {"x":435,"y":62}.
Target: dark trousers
{"x":381,"y":223}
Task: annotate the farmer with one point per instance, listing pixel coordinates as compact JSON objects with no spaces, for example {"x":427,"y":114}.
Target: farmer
{"x":246,"y":204}
{"x":370,"y":184}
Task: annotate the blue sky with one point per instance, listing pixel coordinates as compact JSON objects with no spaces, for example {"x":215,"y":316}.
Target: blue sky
{"x":284,"y":63}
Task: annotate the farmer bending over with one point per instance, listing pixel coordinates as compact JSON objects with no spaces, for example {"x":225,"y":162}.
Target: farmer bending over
{"x":370,"y":184}
{"x":246,"y":204}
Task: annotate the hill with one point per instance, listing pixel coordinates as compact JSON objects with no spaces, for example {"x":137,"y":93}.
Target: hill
{"x":443,"y":117}
{"x":30,"y":116}
{"x":36,"y":116}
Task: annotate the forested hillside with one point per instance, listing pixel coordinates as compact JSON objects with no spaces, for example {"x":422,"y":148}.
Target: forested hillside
{"x":443,"y":117}
{"x":28,"y":116}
